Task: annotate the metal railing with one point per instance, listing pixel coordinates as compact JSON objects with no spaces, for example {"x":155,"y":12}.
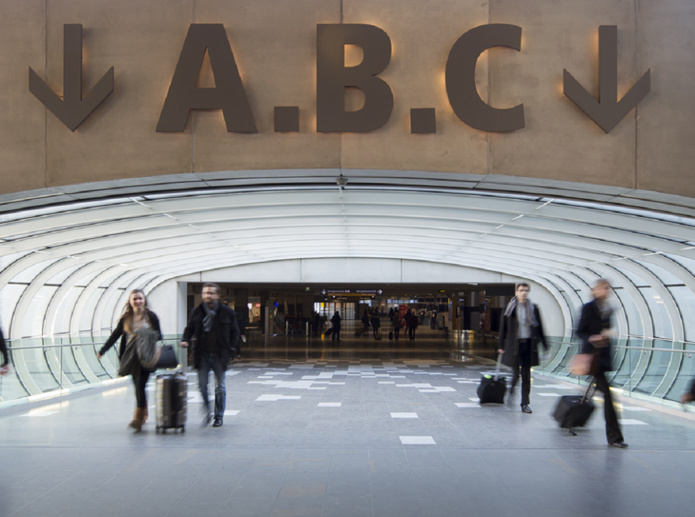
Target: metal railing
{"x":41,"y":367}
{"x":655,"y":369}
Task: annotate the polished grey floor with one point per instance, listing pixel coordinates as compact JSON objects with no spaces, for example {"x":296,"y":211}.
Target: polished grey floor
{"x":331,"y":432}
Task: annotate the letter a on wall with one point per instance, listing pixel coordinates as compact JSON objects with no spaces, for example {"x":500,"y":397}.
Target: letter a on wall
{"x":228,"y":95}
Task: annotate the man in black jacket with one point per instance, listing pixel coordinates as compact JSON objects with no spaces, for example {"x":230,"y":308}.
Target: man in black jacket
{"x":214,"y":327}
{"x":594,"y":330}
{"x":521,"y":330}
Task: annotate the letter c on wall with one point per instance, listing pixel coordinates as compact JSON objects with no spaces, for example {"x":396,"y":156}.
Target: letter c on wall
{"x":460,"y":78}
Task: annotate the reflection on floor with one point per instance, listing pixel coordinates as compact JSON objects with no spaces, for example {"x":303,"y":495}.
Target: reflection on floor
{"x":427,"y":344}
{"x":342,"y":436}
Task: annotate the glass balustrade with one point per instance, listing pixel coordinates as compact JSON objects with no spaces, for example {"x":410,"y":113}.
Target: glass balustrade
{"x":654,"y":369}
{"x":44,"y":367}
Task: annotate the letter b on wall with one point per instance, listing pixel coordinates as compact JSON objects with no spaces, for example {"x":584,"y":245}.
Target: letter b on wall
{"x":333,"y":77}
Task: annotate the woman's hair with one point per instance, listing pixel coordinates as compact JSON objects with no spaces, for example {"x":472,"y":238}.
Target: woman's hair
{"x":128,"y":310}
{"x":601,"y":282}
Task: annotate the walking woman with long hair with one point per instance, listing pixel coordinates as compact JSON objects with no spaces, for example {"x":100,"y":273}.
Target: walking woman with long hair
{"x":136,"y":317}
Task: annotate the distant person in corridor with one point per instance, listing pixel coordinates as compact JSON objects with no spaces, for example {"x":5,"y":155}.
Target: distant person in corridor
{"x":335,"y":321}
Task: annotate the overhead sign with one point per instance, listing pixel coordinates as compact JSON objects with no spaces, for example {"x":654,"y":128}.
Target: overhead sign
{"x":71,"y":108}
{"x":364,"y":293}
{"x":333,"y":77}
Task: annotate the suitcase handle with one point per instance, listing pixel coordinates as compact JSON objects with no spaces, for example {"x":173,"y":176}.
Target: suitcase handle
{"x":184,"y":359}
{"x":590,"y":388}
{"x":497,"y":368}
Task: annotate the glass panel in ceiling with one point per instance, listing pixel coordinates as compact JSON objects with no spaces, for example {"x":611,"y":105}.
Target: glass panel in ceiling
{"x":33,"y":317}
{"x":634,"y":321}
{"x":686,"y":262}
{"x":9,"y":296}
{"x":666,"y":277}
{"x":660,"y":316}
{"x":685,"y":299}
{"x":27,"y":275}
{"x":634,"y":278}
{"x":63,"y":314}
{"x":63,"y":275}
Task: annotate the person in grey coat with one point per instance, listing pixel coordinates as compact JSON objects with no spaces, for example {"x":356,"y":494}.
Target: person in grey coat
{"x":521,"y":330}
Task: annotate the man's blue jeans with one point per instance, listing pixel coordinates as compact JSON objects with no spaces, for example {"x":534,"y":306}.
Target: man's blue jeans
{"x":213,"y":362}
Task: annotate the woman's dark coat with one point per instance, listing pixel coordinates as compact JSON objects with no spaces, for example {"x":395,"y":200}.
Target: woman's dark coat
{"x":119,"y":331}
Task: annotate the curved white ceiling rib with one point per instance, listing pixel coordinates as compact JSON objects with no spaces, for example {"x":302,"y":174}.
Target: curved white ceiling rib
{"x":174,"y":232}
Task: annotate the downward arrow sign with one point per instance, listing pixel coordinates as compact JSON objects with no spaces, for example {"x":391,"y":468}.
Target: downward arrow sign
{"x":72,"y":109}
{"x":607,"y":112}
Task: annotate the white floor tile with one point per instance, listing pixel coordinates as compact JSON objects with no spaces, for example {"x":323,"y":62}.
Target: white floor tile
{"x":417,"y":440}
{"x":630,"y":421}
{"x":275,"y":398}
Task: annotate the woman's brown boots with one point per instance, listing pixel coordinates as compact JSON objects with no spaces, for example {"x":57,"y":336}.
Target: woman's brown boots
{"x":139,"y":418}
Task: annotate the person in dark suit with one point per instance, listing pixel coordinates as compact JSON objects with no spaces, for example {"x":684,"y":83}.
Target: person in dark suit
{"x":335,"y":321}
{"x":521,"y":330}
{"x":594,"y":330}
{"x":214,"y":327}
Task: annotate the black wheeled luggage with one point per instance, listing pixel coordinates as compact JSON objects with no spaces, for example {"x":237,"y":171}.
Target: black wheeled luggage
{"x":574,"y":410}
{"x":170,"y":398}
{"x":492,"y":387}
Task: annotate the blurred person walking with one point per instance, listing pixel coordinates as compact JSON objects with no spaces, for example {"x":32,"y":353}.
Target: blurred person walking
{"x":594,"y":330}
{"x":136,"y":320}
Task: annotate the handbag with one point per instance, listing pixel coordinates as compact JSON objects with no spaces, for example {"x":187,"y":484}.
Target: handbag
{"x":583,"y":364}
{"x":167,"y":357}
{"x":148,"y":352}
{"x":129,"y":360}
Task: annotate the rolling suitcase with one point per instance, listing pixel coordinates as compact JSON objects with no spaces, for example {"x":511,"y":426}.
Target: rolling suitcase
{"x":574,"y":410}
{"x":170,"y":399}
{"x":493,"y":387}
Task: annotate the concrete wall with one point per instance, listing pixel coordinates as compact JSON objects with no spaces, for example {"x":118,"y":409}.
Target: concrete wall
{"x":274,"y":43}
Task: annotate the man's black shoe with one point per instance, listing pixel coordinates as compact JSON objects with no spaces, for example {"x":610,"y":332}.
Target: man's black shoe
{"x":526,"y":409}
{"x":619,"y":445}
{"x":217,"y":422}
